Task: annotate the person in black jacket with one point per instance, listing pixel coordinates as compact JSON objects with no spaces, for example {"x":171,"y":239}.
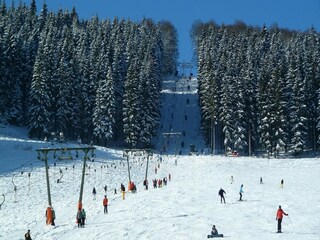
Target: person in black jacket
{"x":221,"y":192}
{"x":214,"y":233}
{"x":27,"y":236}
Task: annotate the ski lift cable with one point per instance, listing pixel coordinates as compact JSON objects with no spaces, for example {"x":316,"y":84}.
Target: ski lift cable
{"x":4,"y":199}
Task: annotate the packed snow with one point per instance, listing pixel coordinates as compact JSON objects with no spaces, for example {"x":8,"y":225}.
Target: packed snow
{"x":184,"y":209}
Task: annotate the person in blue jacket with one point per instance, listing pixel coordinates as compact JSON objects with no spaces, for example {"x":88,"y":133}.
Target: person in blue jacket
{"x":240,"y":192}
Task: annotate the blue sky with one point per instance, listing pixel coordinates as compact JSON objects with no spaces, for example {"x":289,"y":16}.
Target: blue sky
{"x":292,"y":14}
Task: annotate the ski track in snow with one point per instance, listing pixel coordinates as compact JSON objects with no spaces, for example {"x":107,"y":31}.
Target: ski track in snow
{"x":184,"y":209}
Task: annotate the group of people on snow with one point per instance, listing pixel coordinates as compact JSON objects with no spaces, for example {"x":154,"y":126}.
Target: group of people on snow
{"x":221,"y":193}
{"x":81,"y":217}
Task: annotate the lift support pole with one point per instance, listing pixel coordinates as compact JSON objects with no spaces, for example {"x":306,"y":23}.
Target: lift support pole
{"x":45,"y":152}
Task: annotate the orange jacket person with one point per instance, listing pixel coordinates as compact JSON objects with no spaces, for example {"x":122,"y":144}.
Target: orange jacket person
{"x":279,"y":217}
{"x":105,"y":204}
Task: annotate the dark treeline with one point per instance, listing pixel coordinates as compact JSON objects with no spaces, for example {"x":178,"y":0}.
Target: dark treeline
{"x":259,"y":88}
{"x":99,"y":80}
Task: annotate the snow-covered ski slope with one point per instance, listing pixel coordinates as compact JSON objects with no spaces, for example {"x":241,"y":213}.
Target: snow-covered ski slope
{"x":184,"y":209}
{"x":180,"y":114}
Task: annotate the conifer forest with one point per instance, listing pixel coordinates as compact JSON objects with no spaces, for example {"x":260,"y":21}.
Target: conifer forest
{"x":259,"y":87}
{"x":100,"y":80}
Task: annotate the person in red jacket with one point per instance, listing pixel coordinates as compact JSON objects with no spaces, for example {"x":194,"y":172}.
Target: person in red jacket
{"x":105,"y":204}
{"x":279,"y":217}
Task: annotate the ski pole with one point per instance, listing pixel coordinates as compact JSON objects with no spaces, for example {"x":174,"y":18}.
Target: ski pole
{"x":290,"y":223}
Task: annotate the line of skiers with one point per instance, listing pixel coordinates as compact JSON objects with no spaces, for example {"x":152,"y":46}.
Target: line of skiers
{"x":158,"y":183}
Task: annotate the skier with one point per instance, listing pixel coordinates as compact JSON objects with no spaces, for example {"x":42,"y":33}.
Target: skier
{"x":27,"y":236}
{"x":221,"y":192}
{"x":240,"y":192}
{"x":165,"y":181}
{"x":281,"y":183}
{"x":123,"y":190}
{"x":279,"y":217}
{"x":155,"y":170}
{"x":94,"y":192}
{"x":231,"y":180}
{"x":79,"y":217}
{"x":261,"y":182}
{"x":83,"y":217}
{"x":145,"y":183}
{"x":214,"y":233}
{"x":53,"y":216}
{"x":105,"y":204}
{"x":133,"y":188}
{"x":105,"y":189}
{"x":169,"y":177}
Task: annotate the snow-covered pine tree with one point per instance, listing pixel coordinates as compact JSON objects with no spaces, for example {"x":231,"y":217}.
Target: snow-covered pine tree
{"x":39,"y":123}
{"x":298,"y":102}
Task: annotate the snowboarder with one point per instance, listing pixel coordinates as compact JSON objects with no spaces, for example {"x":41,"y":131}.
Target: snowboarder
{"x":214,"y":233}
{"x":79,"y":217}
{"x":279,"y":217}
{"x":94,"y":192}
{"x":105,"y":204}
{"x":240,"y":192}
{"x":221,"y":192}
{"x":281,"y":183}
{"x":261,"y":182}
{"x":83,"y":217}
{"x":27,"y":236}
